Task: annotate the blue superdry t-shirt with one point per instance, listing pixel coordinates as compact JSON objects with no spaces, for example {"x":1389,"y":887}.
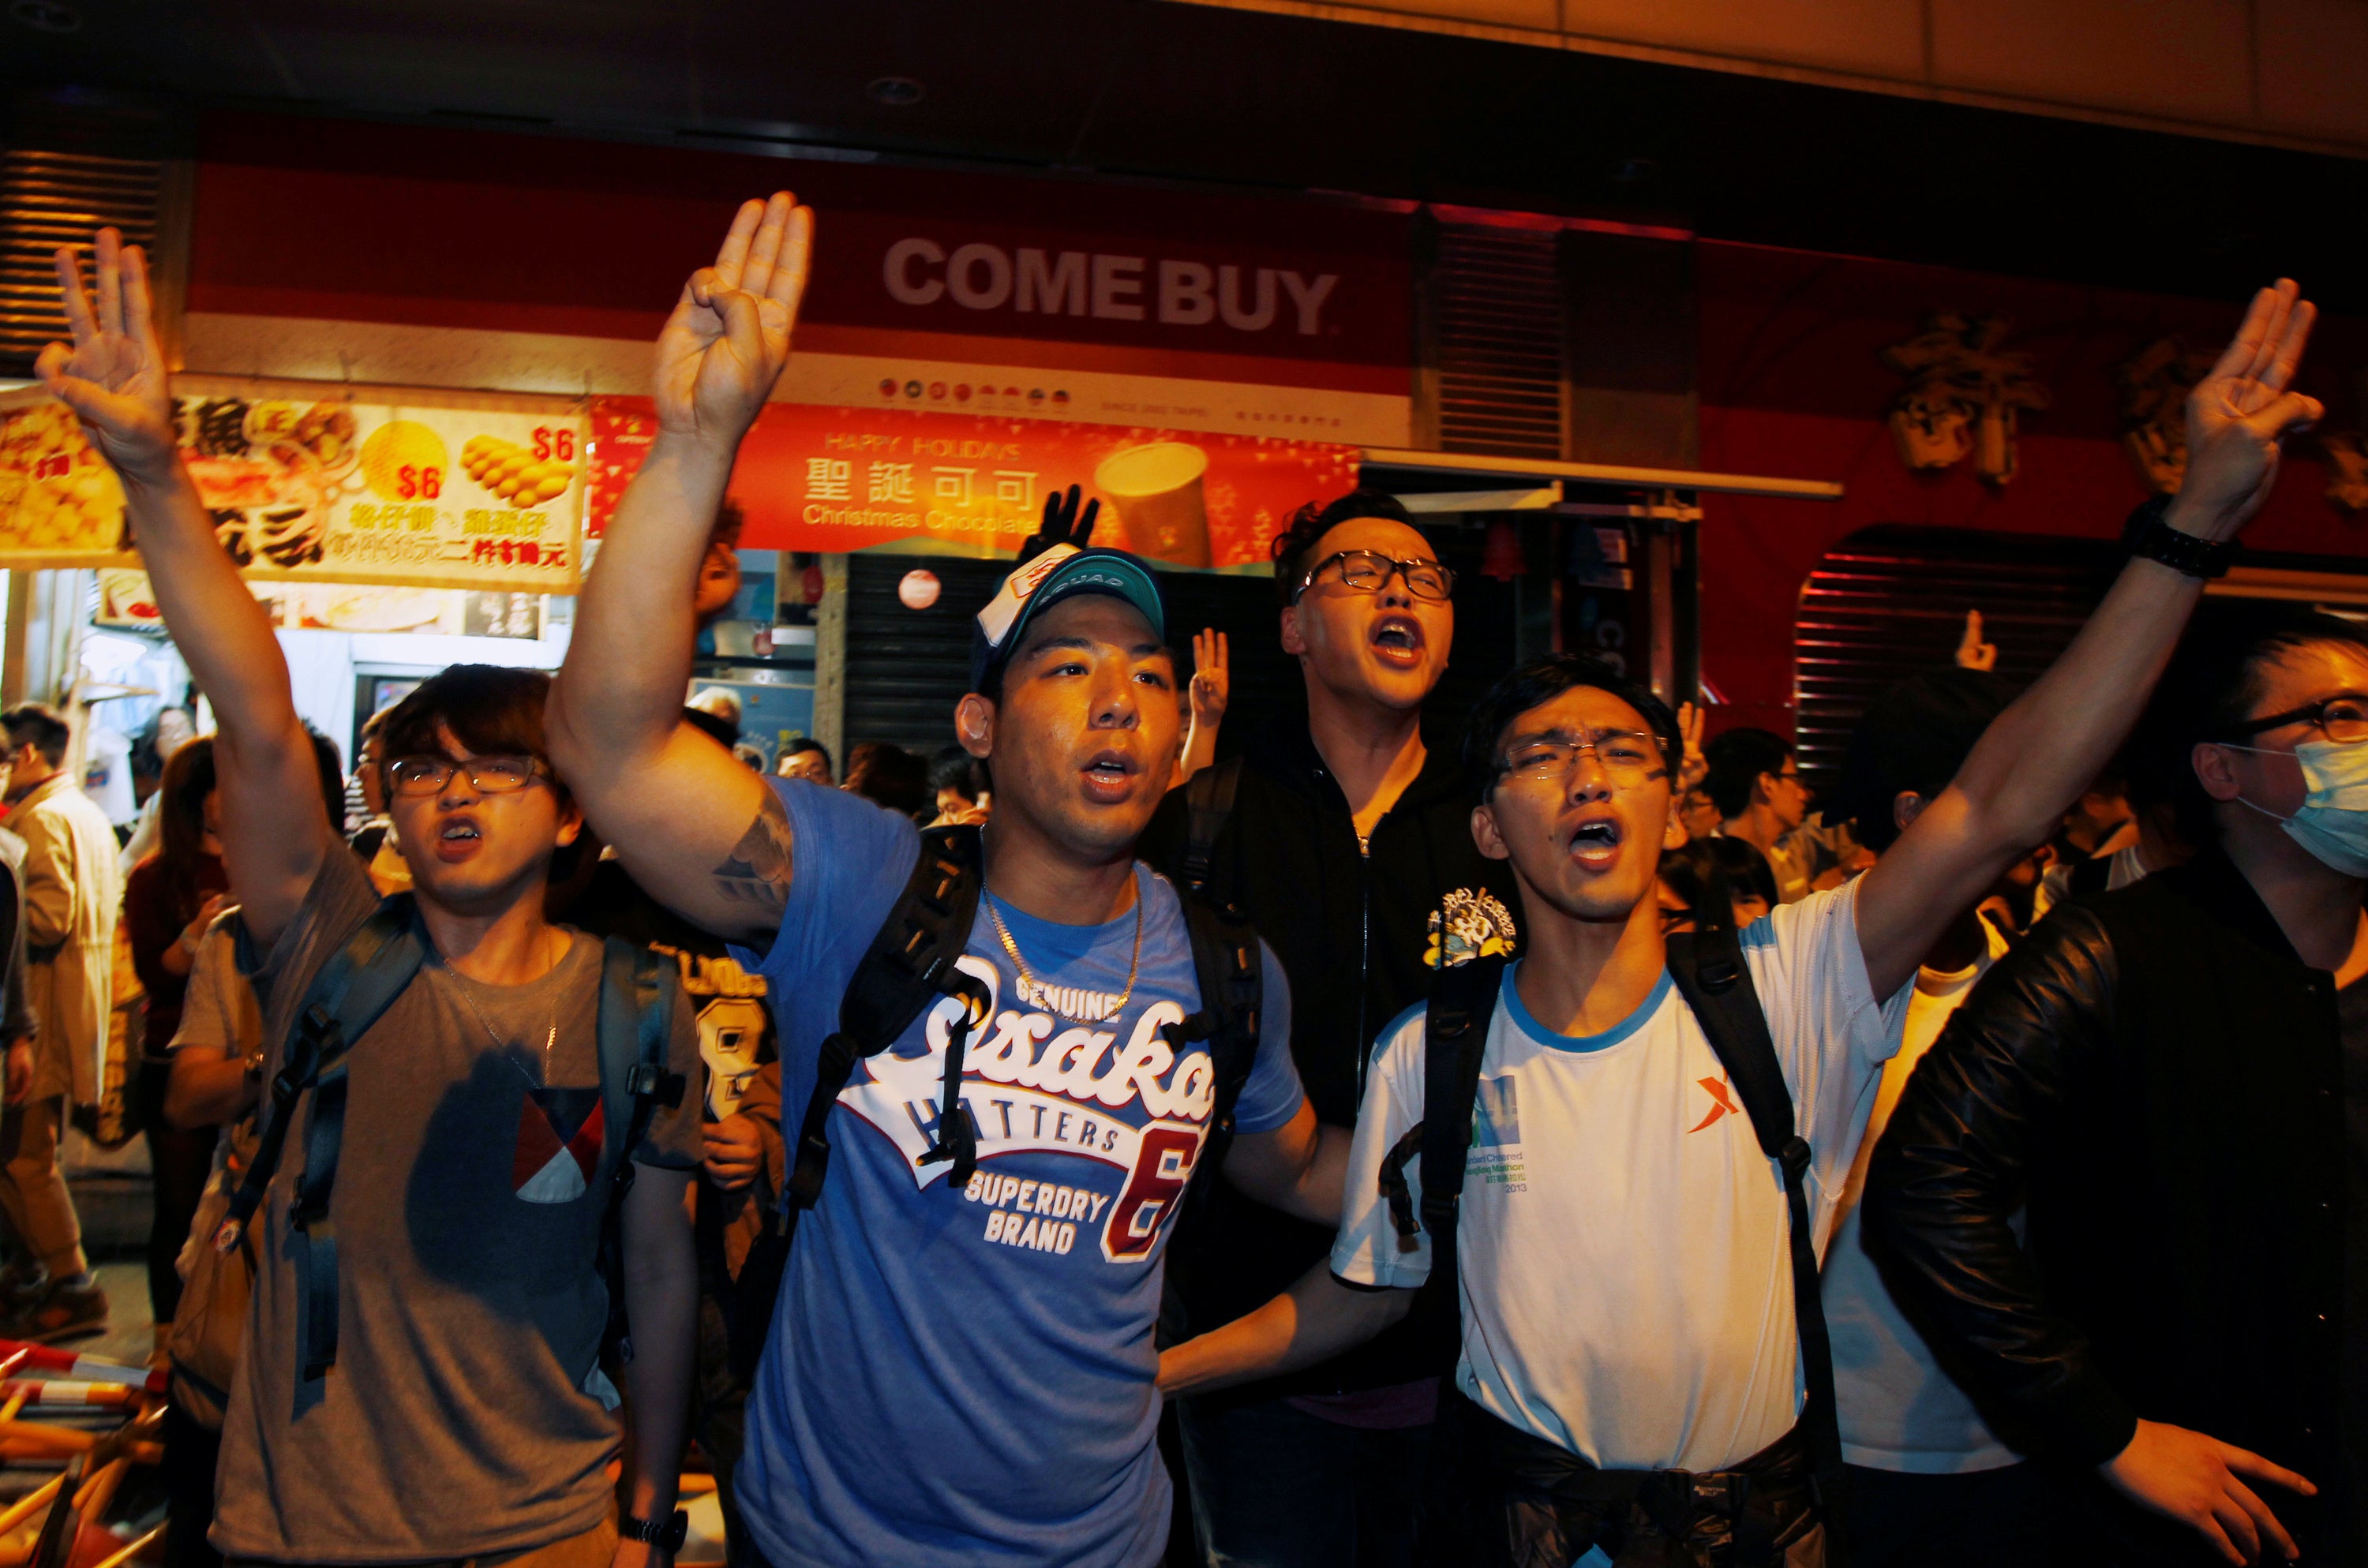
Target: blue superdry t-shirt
{"x":966,"y":1376}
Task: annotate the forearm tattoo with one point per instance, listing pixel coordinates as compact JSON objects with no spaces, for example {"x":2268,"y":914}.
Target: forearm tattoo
{"x":756,"y":872}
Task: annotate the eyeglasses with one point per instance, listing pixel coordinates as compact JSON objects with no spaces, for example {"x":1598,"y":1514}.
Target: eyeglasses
{"x":491,"y":775}
{"x":1369,"y":570}
{"x":1627,"y":756}
{"x":2342,"y":719}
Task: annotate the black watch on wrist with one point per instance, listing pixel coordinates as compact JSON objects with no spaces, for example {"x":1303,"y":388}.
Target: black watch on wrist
{"x":667,"y":1537}
{"x":2145,"y":534}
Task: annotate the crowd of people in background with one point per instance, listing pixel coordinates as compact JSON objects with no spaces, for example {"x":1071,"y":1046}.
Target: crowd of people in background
{"x":1541,"y":1135}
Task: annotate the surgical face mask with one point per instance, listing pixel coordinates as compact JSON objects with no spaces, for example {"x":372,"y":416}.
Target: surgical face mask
{"x":2333,"y":821}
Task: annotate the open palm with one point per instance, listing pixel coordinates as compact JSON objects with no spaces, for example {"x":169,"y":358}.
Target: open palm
{"x":2239,"y":414}
{"x":113,"y":374}
{"x":728,"y":339}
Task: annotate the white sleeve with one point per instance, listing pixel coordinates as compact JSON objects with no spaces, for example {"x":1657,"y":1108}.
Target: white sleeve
{"x":1832,"y":1033}
{"x":1369,"y":1250}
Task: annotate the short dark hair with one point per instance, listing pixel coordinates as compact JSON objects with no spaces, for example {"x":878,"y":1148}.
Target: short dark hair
{"x":2210,"y":689}
{"x":1708,"y":873}
{"x":886,"y":773}
{"x":1540,"y":681}
{"x":1913,"y":738}
{"x":1291,"y":548}
{"x":37,"y":724}
{"x":954,"y":768}
{"x":807,"y":742}
{"x":729,"y":520}
{"x":488,"y":708}
{"x":1737,"y":758}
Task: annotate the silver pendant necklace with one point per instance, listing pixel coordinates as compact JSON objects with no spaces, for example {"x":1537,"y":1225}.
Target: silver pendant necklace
{"x":502,"y":1048}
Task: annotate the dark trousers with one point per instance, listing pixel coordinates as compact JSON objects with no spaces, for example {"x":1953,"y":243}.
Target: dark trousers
{"x":1275,"y":1487}
{"x":1503,"y":1498}
{"x":720,"y":1422}
{"x":182,"y":1160}
{"x":191,"y":1454}
{"x":1989,"y":1518}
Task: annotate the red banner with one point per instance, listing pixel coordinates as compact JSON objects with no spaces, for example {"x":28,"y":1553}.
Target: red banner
{"x":819,"y":478}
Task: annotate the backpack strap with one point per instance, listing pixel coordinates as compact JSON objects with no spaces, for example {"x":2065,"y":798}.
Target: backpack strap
{"x":1227,"y":965}
{"x":1455,"y":1039}
{"x":1208,"y":802}
{"x":635,"y":1031}
{"x":1709,"y":970}
{"x":909,"y":965}
{"x":349,"y":994}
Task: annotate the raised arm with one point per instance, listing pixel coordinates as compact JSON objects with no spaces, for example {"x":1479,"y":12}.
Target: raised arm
{"x":2038,"y":754}
{"x":706,"y":836}
{"x":274,"y":828}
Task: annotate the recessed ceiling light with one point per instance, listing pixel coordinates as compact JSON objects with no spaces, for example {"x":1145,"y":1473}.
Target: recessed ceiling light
{"x":896,"y":91}
{"x":45,"y":15}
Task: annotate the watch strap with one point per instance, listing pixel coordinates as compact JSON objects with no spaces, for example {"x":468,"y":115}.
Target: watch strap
{"x":2146,"y":535}
{"x":667,"y":1537}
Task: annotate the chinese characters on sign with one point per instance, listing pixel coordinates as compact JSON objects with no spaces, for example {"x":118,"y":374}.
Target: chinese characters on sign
{"x":320,"y":489}
{"x":818,"y":478}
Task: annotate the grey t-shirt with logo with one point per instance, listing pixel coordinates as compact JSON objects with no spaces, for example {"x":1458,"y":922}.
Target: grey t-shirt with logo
{"x":464,"y":1416}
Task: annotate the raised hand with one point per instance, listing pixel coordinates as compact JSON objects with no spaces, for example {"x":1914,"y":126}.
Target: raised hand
{"x":2240,"y":415}
{"x":1973,"y":653}
{"x":1212,"y":681}
{"x":1063,"y":523}
{"x":728,"y":339}
{"x":113,"y":377}
{"x":1694,"y":768}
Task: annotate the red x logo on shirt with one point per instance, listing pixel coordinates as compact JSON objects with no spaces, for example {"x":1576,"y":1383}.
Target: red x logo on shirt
{"x":1721,"y":1102}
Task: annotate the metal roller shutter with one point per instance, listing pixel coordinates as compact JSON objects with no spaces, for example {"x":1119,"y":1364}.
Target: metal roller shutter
{"x":1496,"y":315}
{"x":64,"y":171}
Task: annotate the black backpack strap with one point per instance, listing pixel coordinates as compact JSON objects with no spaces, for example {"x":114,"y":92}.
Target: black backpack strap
{"x":909,"y":965}
{"x":1709,"y":970}
{"x":1227,"y":965}
{"x":2092,"y":875}
{"x":1455,"y":1039}
{"x":352,"y":990}
{"x":635,"y":1033}
{"x":1208,"y":802}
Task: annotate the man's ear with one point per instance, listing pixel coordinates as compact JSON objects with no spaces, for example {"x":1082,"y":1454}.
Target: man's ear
{"x":1292,"y":642}
{"x":1490,"y":842}
{"x":1906,"y":807}
{"x":571,"y":821}
{"x":975,"y":725}
{"x":1673,"y":825}
{"x":1763,"y":789}
{"x":2214,"y":771}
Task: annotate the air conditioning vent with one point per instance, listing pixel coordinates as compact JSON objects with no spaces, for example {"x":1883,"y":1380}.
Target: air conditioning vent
{"x":62,"y":175}
{"x":1498,"y":324}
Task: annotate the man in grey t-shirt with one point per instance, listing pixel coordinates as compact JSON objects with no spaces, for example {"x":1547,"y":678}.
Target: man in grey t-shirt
{"x":466,"y":1415}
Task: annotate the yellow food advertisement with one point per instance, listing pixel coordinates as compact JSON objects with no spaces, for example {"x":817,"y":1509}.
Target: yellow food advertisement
{"x":320,"y":488}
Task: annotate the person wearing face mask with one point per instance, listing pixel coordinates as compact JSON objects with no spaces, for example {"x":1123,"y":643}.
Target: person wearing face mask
{"x":2173,"y":1077}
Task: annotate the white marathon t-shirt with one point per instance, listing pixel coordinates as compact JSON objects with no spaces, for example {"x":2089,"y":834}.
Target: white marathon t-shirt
{"x":1624,"y":1250}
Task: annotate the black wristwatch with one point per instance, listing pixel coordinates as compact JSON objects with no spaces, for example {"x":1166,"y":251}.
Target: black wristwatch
{"x":2145,"y":534}
{"x":668,"y":1538}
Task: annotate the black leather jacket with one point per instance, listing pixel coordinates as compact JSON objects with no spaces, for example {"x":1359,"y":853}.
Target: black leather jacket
{"x":2157,"y":1077}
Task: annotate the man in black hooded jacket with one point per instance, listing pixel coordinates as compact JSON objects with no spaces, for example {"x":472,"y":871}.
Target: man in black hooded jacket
{"x":1348,"y":840}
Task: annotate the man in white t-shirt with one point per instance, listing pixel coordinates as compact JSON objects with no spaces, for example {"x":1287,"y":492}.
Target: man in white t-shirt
{"x":1623,"y":1248}
{"x":1930,"y":1486}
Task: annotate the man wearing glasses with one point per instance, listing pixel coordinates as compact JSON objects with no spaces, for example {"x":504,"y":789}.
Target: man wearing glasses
{"x":1622,"y":1241}
{"x":2173,"y":1078}
{"x":1348,"y":843}
{"x":466,"y":1415}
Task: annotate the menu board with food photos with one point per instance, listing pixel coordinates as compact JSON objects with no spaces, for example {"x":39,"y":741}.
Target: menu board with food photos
{"x":306,"y":488}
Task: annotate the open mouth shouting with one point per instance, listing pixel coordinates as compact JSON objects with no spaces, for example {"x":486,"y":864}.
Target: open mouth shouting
{"x":1110,"y":776}
{"x":1397,"y":640}
{"x":458,"y":837}
{"x":1594,"y":842}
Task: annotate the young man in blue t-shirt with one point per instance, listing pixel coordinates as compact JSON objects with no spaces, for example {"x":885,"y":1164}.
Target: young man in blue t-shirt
{"x":957,"y":1374}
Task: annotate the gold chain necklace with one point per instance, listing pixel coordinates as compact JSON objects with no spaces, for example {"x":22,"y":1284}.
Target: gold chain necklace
{"x":1033,"y":990}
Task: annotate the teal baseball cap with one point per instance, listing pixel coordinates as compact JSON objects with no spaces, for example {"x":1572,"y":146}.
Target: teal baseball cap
{"x":1060,"y":572}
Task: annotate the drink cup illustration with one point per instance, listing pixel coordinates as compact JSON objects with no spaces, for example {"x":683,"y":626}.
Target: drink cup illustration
{"x":1155,"y":489}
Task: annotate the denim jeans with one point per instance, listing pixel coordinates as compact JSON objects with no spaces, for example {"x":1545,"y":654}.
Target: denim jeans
{"x":1275,"y":1487}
